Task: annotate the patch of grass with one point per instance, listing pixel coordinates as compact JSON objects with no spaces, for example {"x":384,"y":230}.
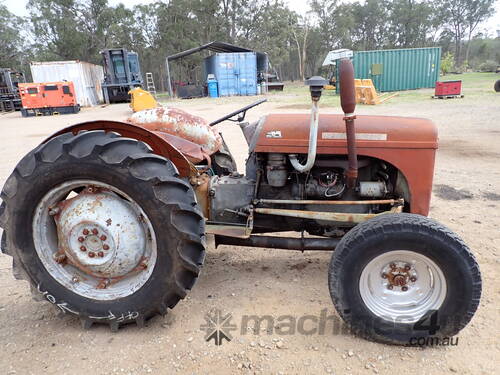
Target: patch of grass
{"x":474,"y":80}
{"x":296,"y":95}
{"x":473,"y":85}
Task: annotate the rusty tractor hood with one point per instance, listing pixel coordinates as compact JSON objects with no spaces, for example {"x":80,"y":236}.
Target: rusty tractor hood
{"x":191,"y":135}
{"x":289,"y":133}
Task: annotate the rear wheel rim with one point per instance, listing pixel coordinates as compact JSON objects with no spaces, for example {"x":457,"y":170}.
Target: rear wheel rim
{"x":94,"y":239}
{"x":402,"y":286}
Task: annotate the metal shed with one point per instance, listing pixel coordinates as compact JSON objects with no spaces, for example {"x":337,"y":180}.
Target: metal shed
{"x":220,"y":48}
{"x":399,"y":69}
{"x":86,"y":78}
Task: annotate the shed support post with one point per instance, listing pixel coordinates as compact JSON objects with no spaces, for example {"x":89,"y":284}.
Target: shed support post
{"x":169,"y":84}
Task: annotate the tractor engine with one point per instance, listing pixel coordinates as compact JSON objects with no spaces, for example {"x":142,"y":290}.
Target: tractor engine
{"x":271,"y":178}
{"x":321,"y":174}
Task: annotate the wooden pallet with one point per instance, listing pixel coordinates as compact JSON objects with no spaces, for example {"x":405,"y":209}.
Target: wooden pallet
{"x":367,"y":94}
{"x":446,"y":96}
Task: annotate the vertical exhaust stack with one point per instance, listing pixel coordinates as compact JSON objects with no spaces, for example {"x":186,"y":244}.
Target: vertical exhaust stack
{"x":315,"y":84}
{"x":348,"y":103}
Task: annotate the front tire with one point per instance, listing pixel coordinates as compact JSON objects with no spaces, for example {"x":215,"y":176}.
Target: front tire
{"x":399,"y":278}
{"x":102,"y":228}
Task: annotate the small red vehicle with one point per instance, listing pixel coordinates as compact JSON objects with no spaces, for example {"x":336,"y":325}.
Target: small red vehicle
{"x":48,"y":98}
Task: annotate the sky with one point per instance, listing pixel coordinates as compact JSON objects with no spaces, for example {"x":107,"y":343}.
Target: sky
{"x":18,"y":7}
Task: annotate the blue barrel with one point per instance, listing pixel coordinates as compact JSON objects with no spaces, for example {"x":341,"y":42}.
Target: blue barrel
{"x":212,"y":89}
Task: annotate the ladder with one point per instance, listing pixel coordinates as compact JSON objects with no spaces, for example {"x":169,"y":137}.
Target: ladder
{"x":150,"y":84}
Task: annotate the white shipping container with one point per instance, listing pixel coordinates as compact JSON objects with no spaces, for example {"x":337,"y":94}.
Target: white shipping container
{"x":87,"y":78}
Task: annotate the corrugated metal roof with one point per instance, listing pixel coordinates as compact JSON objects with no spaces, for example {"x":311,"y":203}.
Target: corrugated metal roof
{"x":212,"y":46}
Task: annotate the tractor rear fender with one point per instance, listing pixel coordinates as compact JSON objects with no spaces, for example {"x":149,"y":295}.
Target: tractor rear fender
{"x":159,"y":145}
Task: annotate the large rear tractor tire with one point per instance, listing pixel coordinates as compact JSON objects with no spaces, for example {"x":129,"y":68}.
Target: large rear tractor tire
{"x":404,"y":279}
{"x":102,"y":228}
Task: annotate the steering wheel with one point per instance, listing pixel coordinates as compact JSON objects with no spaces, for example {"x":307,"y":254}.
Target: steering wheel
{"x":241,"y":112}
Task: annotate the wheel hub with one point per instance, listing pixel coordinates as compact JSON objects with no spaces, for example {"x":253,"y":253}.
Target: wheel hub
{"x":399,"y":275}
{"x":402,"y":285}
{"x":100,"y":234}
{"x":91,"y":241}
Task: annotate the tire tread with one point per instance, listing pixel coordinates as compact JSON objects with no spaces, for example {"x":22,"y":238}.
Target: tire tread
{"x":133,"y":156}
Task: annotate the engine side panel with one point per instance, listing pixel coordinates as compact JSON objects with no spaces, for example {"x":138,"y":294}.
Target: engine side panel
{"x":407,"y":143}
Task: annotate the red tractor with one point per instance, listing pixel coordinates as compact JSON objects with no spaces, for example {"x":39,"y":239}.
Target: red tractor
{"x":107,"y":220}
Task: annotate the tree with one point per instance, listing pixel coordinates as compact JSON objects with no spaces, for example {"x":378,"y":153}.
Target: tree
{"x":370,"y":24}
{"x":268,"y":28}
{"x":446,"y":63}
{"x":335,"y":23}
{"x":232,"y":13}
{"x":300,"y":33}
{"x":478,"y":11}
{"x":13,"y":43}
{"x":296,"y":45}
{"x":409,"y":22}
{"x":463,"y":18}
{"x":69,"y":29}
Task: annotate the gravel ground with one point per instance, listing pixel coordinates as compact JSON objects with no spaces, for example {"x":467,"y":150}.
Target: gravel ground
{"x":245,"y":281}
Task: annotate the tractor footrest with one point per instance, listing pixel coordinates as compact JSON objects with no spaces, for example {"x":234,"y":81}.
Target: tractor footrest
{"x":229,"y":230}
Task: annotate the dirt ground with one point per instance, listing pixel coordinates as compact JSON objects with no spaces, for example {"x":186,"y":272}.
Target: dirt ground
{"x":245,"y":281}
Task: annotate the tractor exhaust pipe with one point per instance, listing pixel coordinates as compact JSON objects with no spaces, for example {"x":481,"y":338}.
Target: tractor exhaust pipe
{"x":315,"y":84}
{"x":348,"y":103}
{"x":285,"y":243}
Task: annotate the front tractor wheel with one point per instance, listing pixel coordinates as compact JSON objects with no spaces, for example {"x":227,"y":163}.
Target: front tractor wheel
{"x":102,"y":228}
{"x":403,"y":279}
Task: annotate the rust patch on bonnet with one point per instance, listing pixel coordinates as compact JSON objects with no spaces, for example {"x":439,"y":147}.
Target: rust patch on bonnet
{"x":179,"y":123}
{"x":192,"y":151}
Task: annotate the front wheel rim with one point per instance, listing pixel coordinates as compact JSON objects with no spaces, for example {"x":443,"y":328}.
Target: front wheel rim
{"x":402,"y":286}
{"x":94,"y":239}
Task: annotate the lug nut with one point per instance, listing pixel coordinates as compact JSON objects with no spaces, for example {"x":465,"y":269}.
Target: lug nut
{"x":91,"y":254}
{"x":392,"y":265}
{"x":407,"y":267}
{"x":413,"y":279}
{"x":390,"y":287}
{"x":95,"y":231}
{"x":60,"y":258}
{"x":83,"y":248}
{"x":404,"y":288}
{"x":85,"y":232}
{"x":103,"y":238}
{"x":105,"y":247}
{"x":81,"y":239}
{"x":384,"y":276}
{"x":100,"y":253}
{"x":54,"y":211}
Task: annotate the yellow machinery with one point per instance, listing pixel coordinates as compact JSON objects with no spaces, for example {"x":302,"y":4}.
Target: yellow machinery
{"x":141,"y":99}
{"x":366,"y":93}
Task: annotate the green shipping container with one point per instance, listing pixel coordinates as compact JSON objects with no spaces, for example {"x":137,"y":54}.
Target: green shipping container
{"x":399,"y":69}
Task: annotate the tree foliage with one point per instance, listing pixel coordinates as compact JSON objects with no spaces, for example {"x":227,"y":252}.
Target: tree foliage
{"x":296,"y":44}
{"x":13,"y":48}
